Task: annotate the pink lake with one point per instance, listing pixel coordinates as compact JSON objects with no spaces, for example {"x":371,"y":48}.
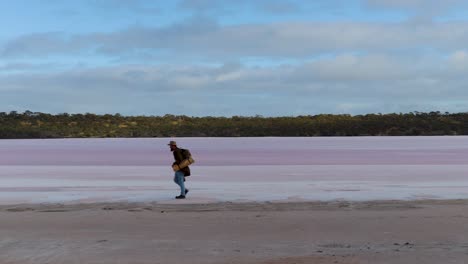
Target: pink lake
{"x":235,"y":169}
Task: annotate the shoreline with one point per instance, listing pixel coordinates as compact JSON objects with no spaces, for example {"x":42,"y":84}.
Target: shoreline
{"x":378,"y":232}
{"x":187,"y":206}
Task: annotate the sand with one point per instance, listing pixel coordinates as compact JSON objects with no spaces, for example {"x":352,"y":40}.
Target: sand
{"x":425,"y":231}
{"x":327,"y":200}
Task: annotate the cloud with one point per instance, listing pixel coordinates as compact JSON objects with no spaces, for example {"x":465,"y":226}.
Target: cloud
{"x":137,"y":6}
{"x":43,"y":44}
{"x":344,"y":83}
{"x":201,"y":5}
{"x":278,"y":7}
{"x":220,"y":8}
{"x":302,"y":67}
{"x":22,"y":66}
{"x":459,"y":61}
{"x":205,"y":39}
{"x":423,"y":10}
{"x":415,"y":4}
{"x":213,"y":8}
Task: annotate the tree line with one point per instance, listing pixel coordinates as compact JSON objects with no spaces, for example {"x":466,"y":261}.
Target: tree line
{"x":42,"y":125}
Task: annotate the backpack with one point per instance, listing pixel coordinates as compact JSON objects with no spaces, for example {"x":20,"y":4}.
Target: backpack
{"x":188,"y":156}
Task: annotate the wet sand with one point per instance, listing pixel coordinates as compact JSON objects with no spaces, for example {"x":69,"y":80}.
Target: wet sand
{"x":260,"y":183}
{"x":426,"y":231}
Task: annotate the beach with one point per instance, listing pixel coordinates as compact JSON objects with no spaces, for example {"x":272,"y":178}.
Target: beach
{"x":235,"y":169}
{"x":318,"y":132}
{"x":251,"y":200}
{"x":426,"y":231}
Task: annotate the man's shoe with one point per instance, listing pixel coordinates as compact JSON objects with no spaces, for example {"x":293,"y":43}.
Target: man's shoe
{"x":180,"y":197}
{"x":186,"y":191}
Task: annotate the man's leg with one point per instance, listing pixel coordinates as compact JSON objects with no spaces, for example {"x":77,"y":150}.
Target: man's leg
{"x":179,"y":177}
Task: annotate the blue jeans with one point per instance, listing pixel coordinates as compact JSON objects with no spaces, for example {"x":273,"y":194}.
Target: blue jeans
{"x":179,"y":180}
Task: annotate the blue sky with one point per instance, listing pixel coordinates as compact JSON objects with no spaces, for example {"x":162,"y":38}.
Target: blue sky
{"x":224,"y":58}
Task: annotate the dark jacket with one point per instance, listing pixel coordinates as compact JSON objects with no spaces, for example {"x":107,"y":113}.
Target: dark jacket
{"x":179,"y":157}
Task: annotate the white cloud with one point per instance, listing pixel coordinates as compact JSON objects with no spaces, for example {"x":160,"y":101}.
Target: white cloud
{"x":209,"y":41}
{"x":343,"y":83}
{"x":459,"y":61}
{"x":227,"y":7}
{"x":423,"y":10}
{"x":353,"y":67}
{"x":416,"y":4}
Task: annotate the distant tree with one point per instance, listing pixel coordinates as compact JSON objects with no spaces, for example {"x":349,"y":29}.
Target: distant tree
{"x":42,"y":125}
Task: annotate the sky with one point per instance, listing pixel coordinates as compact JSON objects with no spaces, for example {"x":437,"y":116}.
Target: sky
{"x":233,"y":57}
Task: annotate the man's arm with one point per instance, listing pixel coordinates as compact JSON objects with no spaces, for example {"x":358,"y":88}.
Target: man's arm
{"x":185,"y":159}
{"x":175,"y":167}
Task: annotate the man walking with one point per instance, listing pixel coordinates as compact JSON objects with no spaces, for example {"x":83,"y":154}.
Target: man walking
{"x":182,"y":159}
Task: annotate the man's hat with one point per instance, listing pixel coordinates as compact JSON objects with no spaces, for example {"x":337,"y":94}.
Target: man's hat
{"x":172,"y":143}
